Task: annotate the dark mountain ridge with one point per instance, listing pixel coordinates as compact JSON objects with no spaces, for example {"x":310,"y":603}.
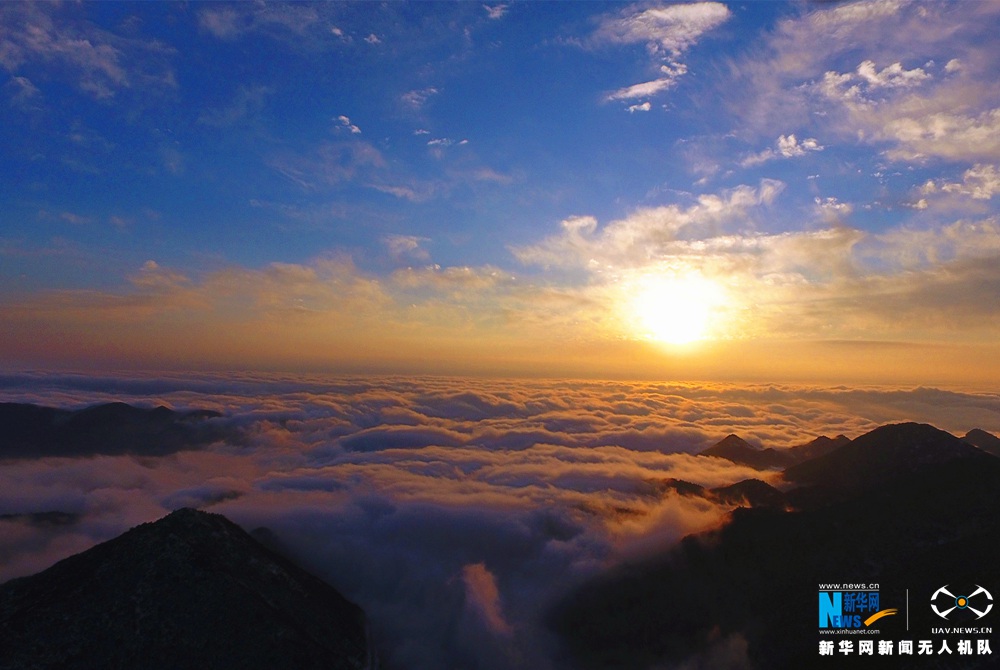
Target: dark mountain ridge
{"x":31,"y":431}
{"x":906,"y":506}
{"x":192,"y":590}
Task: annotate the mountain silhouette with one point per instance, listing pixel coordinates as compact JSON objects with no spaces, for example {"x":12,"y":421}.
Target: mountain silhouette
{"x":882,"y":454}
{"x":736,"y":449}
{"x":988,"y":442}
{"x":906,"y":506}
{"x":820,"y":446}
{"x":749,"y":493}
{"x":192,"y":590}
{"x":31,"y":431}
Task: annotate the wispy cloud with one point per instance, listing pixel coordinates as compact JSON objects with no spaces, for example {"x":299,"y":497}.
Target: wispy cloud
{"x":667,"y":31}
{"x":417,"y":98}
{"x":98,"y":62}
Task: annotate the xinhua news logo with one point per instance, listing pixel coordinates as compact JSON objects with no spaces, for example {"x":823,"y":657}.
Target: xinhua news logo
{"x":850,"y":608}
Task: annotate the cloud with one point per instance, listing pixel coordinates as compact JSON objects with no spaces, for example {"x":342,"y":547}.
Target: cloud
{"x":99,"y":62}
{"x":643,"y":90}
{"x":417,"y":98}
{"x":900,"y":76}
{"x":943,"y":134}
{"x":667,"y":31}
{"x":980,"y":182}
{"x":249,"y":100}
{"x":644,"y":107}
{"x":406,"y":247}
{"x":330,"y":164}
{"x":23,"y":93}
{"x":484,"y":597}
{"x":647,"y":235}
{"x":672,"y":29}
{"x":345,"y":122}
{"x":290,"y":23}
{"x":495,"y":12}
{"x":786,"y":146}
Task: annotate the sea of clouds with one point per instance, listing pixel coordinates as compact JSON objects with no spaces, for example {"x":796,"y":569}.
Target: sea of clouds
{"x":454,"y":511}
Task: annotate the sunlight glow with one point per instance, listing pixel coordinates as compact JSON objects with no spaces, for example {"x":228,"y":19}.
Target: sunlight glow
{"x":675,"y":309}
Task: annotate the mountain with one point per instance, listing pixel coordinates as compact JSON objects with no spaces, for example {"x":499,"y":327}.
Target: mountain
{"x":736,"y":449}
{"x":31,"y":431}
{"x":881,"y":455}
{"x":821,"y":446}
{"x":988,"y":442}
{"x":750,"y":493}
{"x":910,"y":507}
{"x":192,"y":590}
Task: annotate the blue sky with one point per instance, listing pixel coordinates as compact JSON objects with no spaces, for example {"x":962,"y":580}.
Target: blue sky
{"x":362,"y":183}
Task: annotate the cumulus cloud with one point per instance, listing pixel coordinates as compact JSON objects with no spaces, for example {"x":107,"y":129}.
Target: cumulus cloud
{"x":786,"y":146}
{"x":647,"y":235}
{"x":345,"y":122}
{"x":898,"y":75}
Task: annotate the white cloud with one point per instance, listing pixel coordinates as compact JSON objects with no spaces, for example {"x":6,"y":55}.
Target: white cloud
{"x":345,"y":122}
{"x":417,"y":98}
{"x":495,"y":12}
{"x":949,"y":135}
{"x":981,"y":182}
{"x":643,"y":90}
{"x":644,"y":107}
{"x":786,"y":146}
{"x":667,"y":33}
{"x":673,"y":28}
{"x":893,"y":76}
{"x":373,"y":39}
{"x":649,"y":234}
{"x":892,"y":93}
{"x":406,"y":247}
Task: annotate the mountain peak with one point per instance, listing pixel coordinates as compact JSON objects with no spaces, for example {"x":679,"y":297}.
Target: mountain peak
{"x":734,"y":448}
{"x":882,"y":454}
{"x":988,"y":442}
{"x":190,"y":590}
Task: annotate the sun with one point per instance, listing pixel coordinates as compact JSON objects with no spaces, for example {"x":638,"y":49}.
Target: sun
{"x":674,"y":309}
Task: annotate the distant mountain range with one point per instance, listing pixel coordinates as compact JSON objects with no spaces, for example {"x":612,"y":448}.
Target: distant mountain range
{"x":192,"y":590}
{"x":907,"y":506}
{"x":31,"y":431}
{"x":736,"y":449}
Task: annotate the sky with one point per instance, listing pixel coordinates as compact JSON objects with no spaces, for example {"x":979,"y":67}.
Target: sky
{"x":749,"y":191}
{"x":454,"y":511}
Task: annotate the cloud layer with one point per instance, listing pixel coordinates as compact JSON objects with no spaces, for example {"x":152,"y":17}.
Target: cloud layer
{"x":452,"y":510}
